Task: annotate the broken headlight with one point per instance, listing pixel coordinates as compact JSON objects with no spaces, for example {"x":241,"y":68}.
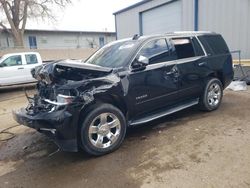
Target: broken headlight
{"x":65,"y":99}
{"x":61,"y":100}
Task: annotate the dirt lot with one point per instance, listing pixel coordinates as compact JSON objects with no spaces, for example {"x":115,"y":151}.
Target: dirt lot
{"x":189,"y":149}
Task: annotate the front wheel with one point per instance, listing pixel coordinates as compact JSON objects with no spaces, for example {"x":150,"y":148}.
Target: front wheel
{"x":212,"y":96}
{"x":103,"y":130}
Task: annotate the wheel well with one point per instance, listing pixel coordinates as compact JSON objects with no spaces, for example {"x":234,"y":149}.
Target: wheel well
{"x":218,"y":75}
{"x":109,"y":99}
{"x":115,"y":101}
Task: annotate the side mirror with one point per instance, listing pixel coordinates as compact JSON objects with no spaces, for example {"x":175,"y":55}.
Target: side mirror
{"x":3,"y":65}
{"x":143,"y":60}
{"x":140,"y":63}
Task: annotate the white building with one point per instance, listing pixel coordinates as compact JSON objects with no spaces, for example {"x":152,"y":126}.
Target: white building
{"x":231,"y":18}
{"x":49,"y":39}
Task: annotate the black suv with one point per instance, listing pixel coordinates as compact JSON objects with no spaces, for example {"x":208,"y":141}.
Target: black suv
{"x":89,"y":105}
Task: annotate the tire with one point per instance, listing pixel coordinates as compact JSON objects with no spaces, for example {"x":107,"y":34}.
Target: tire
{"x":99,"y":136}
{"x":212,"y":95}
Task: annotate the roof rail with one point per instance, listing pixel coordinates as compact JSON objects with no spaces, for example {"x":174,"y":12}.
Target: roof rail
{"x":190,"y":32}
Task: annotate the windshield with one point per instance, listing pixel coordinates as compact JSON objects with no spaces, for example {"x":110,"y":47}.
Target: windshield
{"x":113,"y":55}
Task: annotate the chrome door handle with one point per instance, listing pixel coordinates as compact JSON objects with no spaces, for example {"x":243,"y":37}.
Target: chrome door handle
{"x":169,"y":73}
{"x":202,"y":64}
{"x":20,"y":68}
{"x":175,"y":73}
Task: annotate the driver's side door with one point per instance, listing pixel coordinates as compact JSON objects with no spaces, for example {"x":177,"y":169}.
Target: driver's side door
{"x":156,"y":85}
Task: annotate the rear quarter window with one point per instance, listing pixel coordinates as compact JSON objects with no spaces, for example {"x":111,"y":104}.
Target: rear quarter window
{"x":214,"y":44}
{"x":31,"y":59}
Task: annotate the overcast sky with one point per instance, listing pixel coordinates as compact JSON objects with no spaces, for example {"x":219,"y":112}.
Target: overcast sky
{"x":89,"y":15}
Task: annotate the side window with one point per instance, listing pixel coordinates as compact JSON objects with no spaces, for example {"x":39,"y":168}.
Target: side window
{"x":157,"y":51}
{"x":216,"y":44}
{"x":205,"y":45}
{"x":12,"y":61}
{"x":31,"y":59}
{"x":197,"y":47}
{"x":183,"y":47}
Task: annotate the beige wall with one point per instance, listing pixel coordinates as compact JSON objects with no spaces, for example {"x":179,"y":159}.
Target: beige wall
{"x":56,"y":54}
{"x":244,"y":62}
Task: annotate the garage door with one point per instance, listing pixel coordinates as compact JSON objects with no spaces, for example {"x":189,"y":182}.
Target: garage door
{"x":162,"y":19}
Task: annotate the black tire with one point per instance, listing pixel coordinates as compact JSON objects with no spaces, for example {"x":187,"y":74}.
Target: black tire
{"x":206,"y":103}
{"x":88,"y":136}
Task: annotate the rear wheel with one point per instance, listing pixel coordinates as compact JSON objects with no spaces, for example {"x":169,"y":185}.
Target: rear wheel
{"x":103,"y":130}
{"x":212,"y":96}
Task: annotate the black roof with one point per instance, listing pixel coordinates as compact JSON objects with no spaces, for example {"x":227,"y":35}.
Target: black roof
{"x":132,"y":6}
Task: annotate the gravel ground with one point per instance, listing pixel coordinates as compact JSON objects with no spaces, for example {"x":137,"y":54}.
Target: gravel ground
{"x":187,"y":149}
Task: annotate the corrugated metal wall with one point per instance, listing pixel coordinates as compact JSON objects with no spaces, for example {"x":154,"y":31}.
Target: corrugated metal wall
{"x":187,"y":15}
{"x":165,"y":18}
{"x":231,"y":18}
{"x":127,"y":23}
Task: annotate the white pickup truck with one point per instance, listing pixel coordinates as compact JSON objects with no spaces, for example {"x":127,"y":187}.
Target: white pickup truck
{"x":15,"y":68}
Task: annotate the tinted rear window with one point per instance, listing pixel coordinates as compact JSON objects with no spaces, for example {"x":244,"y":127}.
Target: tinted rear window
{"x":214,"y":44}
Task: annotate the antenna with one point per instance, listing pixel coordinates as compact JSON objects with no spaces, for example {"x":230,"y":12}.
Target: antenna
{"x":135,"y":37}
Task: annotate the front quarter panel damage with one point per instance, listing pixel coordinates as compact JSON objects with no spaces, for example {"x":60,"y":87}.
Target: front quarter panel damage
{"x":97,"y":88}
{"x":58,"y":121}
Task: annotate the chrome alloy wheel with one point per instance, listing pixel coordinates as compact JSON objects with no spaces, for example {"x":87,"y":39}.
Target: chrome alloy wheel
{"x":214,"y":95}
{"x":104,"y":130}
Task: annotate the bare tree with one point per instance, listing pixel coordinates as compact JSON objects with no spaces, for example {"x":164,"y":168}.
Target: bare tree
{"x":92,"y":42}
{"x":18,"y":11}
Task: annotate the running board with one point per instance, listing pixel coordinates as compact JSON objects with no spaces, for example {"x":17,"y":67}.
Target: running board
{"x":163,"y":113}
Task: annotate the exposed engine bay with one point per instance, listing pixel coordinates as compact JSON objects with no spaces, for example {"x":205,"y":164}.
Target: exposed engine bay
{"x":64,"y":82}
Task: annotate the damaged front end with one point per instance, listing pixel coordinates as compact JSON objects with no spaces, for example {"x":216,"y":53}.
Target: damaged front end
{"x":63,"y":90}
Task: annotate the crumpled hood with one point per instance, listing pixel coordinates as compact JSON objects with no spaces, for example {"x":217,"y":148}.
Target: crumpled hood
{"x":84,"y":66}
{"x":68,"y":70}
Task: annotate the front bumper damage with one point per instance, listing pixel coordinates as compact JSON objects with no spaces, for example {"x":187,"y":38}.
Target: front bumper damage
{"x":59,"y":125}
{"x":64,"y":89}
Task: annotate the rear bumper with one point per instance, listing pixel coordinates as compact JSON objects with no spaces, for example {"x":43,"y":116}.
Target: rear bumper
{"x":57,"y":125}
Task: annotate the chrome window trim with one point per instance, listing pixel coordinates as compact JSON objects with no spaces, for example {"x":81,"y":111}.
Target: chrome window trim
{"x":201,"y":46}
{"x":178,"y":61}
{"x":173,"y":62}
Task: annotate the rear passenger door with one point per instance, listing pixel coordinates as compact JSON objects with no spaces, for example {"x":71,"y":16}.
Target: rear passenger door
{"x":191,"y":64}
